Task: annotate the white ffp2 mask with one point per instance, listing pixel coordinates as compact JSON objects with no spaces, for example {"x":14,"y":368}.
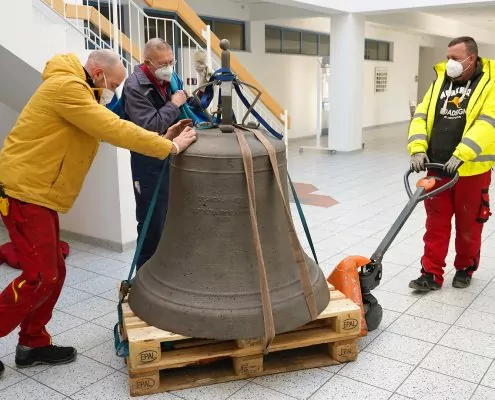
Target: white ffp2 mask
{"x":455,"y":68}
{"x":164,"y":73}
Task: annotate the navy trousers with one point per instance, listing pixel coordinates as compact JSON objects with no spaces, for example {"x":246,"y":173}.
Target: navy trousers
{"x":145,"y":175}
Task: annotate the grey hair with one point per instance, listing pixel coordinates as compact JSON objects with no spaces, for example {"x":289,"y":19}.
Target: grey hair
{"x":104,"y":58}
{"x":155,"y":44}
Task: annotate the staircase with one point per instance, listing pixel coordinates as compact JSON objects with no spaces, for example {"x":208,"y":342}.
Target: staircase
{"x":125,"y":28}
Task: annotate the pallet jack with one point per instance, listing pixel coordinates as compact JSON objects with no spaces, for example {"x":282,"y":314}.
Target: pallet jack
{"x":357,"y":276}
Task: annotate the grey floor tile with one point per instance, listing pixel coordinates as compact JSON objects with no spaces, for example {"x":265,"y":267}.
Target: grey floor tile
{"x":91,"y":308}
{"x":427,"y":385}
{"x":477,"y":283}
{"x":452,"y":296}
{"x":470,"y":341}
{"x":9,"y":361}
{"x":8,"y":343}
{"x":484,"y":393}
{"x":366,"y":340}
{"x":388,"y":318}
{"x":10,"y":377}
{"x":419,"y":328}
{"x":62,"y":322}
{"x":377,"y":371}
{"x":82,"y":258}
{"x":435,"y":311}
{"x":342,"y":388}
{"x":30,"y":390}
{"x":107,"y":321}
{"x":70,"y":296}
{"x":400,"y":283}
{"x":105,"y":354}
{"x":393,"y":301}
{"x":112,"y":387}
{"x":253,"y":391}
{"x":72,"y":378}
{"x":84,"y":337}
{"x":97,"y":285}
{"x":489,"y":378}
{"x":484,"y":304}
{"x":77,"y":275}
{"x":400,"y":348}
{"x":221,"y":391}
{"x":478,"y":321}
{"x":399,"y":397}
{"x":456,"y":363}
{"x":299,"y":384}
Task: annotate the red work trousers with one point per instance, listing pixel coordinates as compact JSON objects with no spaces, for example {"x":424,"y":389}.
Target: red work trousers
{"x":30,"y":298}
{"x":468,"y":201}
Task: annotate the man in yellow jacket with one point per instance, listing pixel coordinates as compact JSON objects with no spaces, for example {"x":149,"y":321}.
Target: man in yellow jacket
{"x":43,"y":164}
{"x":455,"y":126}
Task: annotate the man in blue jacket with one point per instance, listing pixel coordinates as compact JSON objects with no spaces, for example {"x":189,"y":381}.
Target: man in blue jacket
{"x":149,"y":103}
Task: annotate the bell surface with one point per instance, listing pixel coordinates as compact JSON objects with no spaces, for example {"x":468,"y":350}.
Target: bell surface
{"x":203,"y":280}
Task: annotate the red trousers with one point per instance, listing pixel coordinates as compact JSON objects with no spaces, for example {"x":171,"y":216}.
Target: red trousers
{"x":29,"y":299}
{"x":468,"y":201}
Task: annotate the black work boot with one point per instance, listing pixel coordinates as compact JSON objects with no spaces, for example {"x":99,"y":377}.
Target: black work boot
{"x":49,"y":355}
{"x":424,"y":283}
{"x":461,"y":279}
{"x":2,"y":368}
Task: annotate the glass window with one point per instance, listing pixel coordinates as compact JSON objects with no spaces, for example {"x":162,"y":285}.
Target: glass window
{"x":370,"y":50}
{"x":310,"y":44}
{"x":384,"y":51}
{"x":234,"y":32}
{"x":324,"y":48}
{"x":273,"y":40}
{"x":291,"y":42}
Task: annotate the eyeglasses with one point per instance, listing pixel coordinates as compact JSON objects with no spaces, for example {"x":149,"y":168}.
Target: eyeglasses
{"x":170,"y":64}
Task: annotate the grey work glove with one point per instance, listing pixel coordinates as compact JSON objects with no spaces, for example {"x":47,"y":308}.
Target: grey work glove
{"x":451,"y":166}
{"x":418,"y":162}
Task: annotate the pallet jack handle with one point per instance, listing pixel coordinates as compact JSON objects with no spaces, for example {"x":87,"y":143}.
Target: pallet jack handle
{"x":428,"y":183}
{"x":423,"y":191}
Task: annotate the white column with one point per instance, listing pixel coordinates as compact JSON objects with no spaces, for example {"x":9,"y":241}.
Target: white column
{"x":345,"y":131}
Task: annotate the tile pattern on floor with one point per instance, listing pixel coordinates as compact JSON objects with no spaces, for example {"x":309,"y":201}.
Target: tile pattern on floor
{"x":436,"y":346}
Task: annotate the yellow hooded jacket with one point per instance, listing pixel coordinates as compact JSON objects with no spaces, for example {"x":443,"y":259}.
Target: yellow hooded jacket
{"x":477,"y":147}
{"x":47,"y":155}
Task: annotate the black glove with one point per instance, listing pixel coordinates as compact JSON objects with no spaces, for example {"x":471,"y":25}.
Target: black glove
{"x":451,"y":166}
{"x":418,"y":162}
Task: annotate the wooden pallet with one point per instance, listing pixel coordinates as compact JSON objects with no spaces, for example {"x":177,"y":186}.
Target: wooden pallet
{"x":331,"y":339}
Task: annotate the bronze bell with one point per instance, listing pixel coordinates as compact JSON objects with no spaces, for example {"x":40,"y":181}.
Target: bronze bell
{"x":229,"y":264}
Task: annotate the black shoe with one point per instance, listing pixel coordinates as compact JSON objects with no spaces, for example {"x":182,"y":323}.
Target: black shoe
{"x":461,"y":280}
{"x":49,"y":355}
{"x":2,"y":368}
{"x":424,"y":283}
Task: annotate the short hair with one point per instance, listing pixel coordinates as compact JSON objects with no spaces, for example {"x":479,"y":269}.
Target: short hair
{"x":155,"y":44}
{"x":104,"y":58}
{"x":470,"y":43}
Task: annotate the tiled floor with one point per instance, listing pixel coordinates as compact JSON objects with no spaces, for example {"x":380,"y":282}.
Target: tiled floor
{"x":438,"y":346}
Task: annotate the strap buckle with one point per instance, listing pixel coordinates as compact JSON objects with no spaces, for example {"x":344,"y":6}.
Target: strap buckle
{"x":124,"y":290}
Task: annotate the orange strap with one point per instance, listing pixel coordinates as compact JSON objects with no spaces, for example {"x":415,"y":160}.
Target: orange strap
{"x":266,"y":305}
{"x":296,"y":245}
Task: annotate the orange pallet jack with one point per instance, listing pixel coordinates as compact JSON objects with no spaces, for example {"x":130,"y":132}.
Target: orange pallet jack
{"x":357,"y":276}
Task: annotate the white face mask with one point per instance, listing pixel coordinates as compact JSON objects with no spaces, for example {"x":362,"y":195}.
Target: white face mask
{"x":107,"y":94}
{"x":455,"y":68}
{"x":106,"y":97}
{"x":164,"y":73}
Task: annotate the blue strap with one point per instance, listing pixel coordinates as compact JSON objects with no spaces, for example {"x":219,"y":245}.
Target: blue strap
{"x":303,"y":219}
{"x":122,"y":347}
{"x":199,"y":118}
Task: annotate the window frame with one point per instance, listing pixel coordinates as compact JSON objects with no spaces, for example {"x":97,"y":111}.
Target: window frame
{"x":301,"y":32}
